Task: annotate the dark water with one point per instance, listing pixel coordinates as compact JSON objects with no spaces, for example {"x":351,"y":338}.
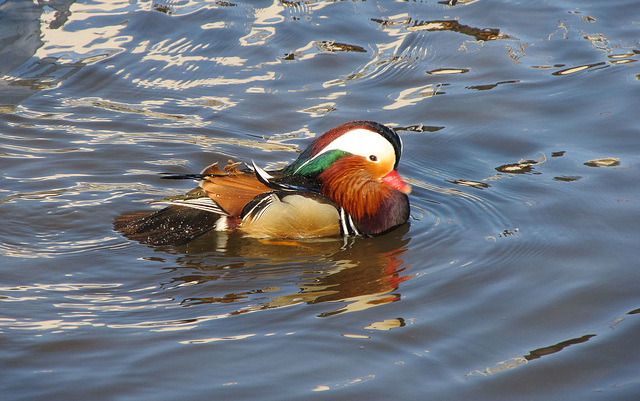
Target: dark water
{"x":517,"y":278}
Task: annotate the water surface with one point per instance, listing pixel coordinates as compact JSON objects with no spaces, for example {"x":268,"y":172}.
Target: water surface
{"x":517,"y":277}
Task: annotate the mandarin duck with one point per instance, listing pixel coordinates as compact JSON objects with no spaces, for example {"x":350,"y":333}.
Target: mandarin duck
{"x":345,"y":183}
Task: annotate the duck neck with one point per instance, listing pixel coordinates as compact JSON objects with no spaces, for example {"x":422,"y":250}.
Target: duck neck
{"x":348,"y":183}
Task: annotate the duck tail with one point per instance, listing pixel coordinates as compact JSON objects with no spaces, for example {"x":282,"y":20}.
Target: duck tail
{"x":173,"y":225}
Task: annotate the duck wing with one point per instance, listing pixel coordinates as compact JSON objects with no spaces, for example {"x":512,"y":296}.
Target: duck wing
{"x":232,"y":189}
{"x":173,"y":225}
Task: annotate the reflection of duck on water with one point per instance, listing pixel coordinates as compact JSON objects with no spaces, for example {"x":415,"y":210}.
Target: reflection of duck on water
{"x":345,"y":183}
{"x":359,"y":272}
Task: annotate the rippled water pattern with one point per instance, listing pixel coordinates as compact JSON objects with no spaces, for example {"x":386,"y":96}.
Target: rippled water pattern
{"x":517,"y":277}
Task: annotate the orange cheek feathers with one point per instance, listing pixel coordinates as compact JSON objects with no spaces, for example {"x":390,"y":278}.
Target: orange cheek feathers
{"x":393,"y":179}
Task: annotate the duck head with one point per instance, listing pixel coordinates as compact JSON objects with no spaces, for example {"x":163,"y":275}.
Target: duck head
{"x":356,"y":165}
{"x":367,"y":145}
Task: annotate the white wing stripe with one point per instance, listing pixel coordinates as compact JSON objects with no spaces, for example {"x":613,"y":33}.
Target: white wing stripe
{"x":205,"y":204}
{"x":259,"y":208}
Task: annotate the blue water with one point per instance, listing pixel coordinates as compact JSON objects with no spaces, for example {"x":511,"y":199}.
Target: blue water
{"x":517,"y":277}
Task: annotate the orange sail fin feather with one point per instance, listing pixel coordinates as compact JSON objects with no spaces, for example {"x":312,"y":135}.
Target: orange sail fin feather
{"x":233,"y":189}
{"x":344,"y":183}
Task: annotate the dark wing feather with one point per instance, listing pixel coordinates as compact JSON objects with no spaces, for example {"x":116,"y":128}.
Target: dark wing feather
{"x":173,"y":225}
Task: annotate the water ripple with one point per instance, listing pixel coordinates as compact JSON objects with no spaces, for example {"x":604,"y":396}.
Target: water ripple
{"x":48,"y":248}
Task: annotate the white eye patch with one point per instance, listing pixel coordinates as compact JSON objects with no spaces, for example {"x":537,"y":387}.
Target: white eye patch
{"x":362,"y":142}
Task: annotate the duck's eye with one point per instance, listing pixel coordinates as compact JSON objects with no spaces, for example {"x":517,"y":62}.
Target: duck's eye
{"x":373,"y":158}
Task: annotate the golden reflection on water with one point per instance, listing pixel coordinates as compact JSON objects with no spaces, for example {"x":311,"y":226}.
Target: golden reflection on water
{"x":183,"y":84}
{"x":411,"y":96}
{"x":386,"y":325}
{"x":516,"y":362}
{"x":68,"y":46}
{"x":343,"y":383}
{"x":360,"y":274}
{"x":413,"y":25}
{"x":205,"y":140}
{"x":573,"y":70}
